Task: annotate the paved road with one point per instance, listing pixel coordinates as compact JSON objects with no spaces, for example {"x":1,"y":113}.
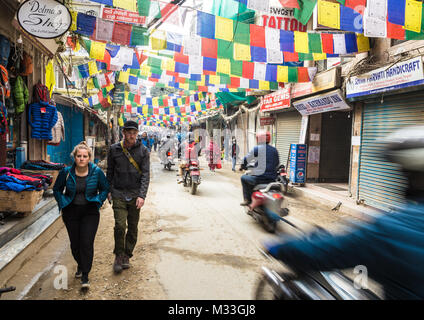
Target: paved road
{"x":199,"y":246}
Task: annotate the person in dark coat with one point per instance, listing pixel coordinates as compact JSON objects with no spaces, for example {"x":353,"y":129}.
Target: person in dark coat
{"x":86,"y":188}
{"x":234,"y":153}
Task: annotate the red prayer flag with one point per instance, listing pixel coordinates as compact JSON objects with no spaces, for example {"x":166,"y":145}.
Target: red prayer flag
{"x":357,"y":5}
{"x":121,"y":33}
{"x":235,"y":82}
{"x":179,"y":57}
{"x":291,"y":56}
{"x":395,"y":31}
{"x":327,"y":43}
{"x":302,"y":74}
{"x":289,"y":3}
{"x":210,"y":48}
{"x":257,"y":36}
{"x":248,"y":70}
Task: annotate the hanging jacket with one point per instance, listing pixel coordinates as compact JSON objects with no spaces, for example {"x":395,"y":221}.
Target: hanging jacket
{"x":97,"y":186}
{"x":42,"y":117}
{"x":58,"y":131}
{"x":21,"y":95}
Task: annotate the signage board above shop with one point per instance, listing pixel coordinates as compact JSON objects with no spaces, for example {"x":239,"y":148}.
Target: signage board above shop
{"x":279,"y":17}
{"x":322,"y":81}
{"x":276,"y":101}
{"x":46,"y":19}
{"x":331,"y":101}
{"x":400,"y":75}
{"x":123,"y":16}
{"x":266,"y":121}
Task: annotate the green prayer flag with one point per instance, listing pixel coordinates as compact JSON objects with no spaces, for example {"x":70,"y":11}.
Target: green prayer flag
{"x":314,"y":40}
{"x":292,"y":74}
{"x":139,"y":36}
{"x":237,"y":68}
{"x":131,"y":96}
{"x":273,"y":85}
{"x":143,"y":7}
{"x":241,"y":33}
{"x":306,"y":57}
{"x":224,"y":79}
{"x":154,"y":62}
{"x":342,"y":2}
{"x":304,"y":13}
{"x":225,"y":49}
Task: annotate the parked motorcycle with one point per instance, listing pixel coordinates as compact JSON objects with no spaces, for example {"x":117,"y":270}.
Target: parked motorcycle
{"x":191,"y":176}
{"x":282,"y":178}
{"x":299,"y":285}
{"x":267,"y":204}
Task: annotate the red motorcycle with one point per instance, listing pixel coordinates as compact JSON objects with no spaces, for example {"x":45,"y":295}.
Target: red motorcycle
{"x":191,"y":176}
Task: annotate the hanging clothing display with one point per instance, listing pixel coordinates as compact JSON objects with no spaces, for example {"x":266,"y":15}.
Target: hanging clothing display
{"x":42,"y":117}
{"x":58,"y":131}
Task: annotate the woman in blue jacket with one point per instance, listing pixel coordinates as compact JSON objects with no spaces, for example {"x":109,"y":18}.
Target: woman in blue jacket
{"x":86,"y":188}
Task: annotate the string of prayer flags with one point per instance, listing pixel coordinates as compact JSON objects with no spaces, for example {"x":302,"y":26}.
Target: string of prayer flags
{"x":97,"y":50}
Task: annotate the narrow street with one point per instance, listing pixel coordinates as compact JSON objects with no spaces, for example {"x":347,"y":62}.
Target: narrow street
{"x":199,"y":246}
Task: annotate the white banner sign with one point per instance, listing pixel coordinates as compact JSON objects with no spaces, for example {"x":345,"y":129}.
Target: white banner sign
{"x":403,"y":74}
{"x":45,"y":19}
{"x":331,"y":101}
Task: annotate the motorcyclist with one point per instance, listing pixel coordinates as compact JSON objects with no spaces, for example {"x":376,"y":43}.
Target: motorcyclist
{"x":166,"y":145}
{"x":391,"y":246}
{"x":266,"y":164}
{"x":190,"y":152}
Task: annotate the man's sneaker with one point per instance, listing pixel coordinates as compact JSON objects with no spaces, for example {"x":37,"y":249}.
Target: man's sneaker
{"x":85,"y":283}
{"x":125,"y":262}
{"x":78,"y":274}
{"x":245,"y":203}
{"x":117,"y":265}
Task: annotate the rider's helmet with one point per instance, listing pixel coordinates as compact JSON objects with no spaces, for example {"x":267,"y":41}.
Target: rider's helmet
{"x":406,"y":148}
{"x":168,"y":136}
{"x":263,"y":137}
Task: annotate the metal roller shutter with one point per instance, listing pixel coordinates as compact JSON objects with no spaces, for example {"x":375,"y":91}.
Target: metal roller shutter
{"x":288,"y":132}
{"x":381,"y":184}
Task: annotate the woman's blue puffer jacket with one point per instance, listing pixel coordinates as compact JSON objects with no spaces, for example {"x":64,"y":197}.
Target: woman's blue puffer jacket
{"x":97,"y":186}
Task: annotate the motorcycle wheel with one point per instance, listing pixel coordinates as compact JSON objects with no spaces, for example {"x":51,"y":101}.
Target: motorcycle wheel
{"x":269,"y":225}
{"x":264,"y":290}
{"x":285,"y":185}
{"x":168,"y":166}
{"x":193,"y":188}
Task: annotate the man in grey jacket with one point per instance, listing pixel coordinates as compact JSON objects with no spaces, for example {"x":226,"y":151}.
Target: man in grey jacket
{"x":128,"y":174}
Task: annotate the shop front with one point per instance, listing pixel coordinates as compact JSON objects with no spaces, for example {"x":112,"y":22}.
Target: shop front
{"x":391,"y":99}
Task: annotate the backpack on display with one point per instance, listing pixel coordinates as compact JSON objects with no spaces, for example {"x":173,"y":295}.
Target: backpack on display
{"x":27,"y":65}
{"x":41,"y":93}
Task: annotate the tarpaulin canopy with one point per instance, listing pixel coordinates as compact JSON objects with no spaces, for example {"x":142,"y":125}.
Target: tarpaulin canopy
{"x":231,"y":97}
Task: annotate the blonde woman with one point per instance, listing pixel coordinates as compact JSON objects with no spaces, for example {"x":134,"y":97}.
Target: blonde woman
{"x":86,"y":188}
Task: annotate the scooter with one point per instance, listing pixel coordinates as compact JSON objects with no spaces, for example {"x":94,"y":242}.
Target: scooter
{"x":191,"y":176}
{"x":169,"y":160}
{"x":267,"y":204}
{"x":299,"y":285}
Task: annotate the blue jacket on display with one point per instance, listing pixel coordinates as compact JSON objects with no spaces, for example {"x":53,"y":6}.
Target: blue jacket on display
{"x":266,"y":159}
{"x":97,"y":186}
{"x":42,"y":117}
{"x":391,"y":248}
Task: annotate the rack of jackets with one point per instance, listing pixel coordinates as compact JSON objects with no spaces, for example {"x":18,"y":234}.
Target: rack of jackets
{"x":42,"y":117}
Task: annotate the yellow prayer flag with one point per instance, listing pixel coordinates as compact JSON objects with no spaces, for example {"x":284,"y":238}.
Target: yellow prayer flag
{"x":242,"y":52}
{"x":413,"y":15}
{"x":180,"y":101}
{"x":198,"y":106}
{"x":172,"y":110}
{"x":168,"y":64}
{"x":110,"y":87}
{"x":74,"y":15}
{"x":329,"y":14}
{"x":97,"y":50}
{"x":92,"y":68}
{"x":214,"y":79}
{"x":200,"y":95}
{"x":121,"y":122}
{"x":263,"y":85}
{"x":185,"y":86}
{"x":363,"y":43}
{"x":223,"y":66}
{"x":301,"y":44}
{"x":130,"y":5}
{"x":124,"y":76}
{"x":145,"y":71}
{"x":223,"y":28}
{"x":86,"y":101}
{"x":145,"y":109}
{"x":283,"y":74}
{"x":155,"y":102}
{"x":319,"y":56}
{"x":90,"y":84}
{"x":202,"y":81}
{"x":158,"y":44}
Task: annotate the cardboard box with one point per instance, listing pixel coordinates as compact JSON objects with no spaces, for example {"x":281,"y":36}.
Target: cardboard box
{"x":25,"y":201}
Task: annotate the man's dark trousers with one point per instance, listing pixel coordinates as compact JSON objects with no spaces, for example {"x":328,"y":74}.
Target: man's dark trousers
{"x":249,"y":182}
{"x":125,"y":240}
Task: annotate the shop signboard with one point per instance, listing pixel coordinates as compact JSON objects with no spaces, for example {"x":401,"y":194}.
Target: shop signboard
{"x":331,"y":101}
{"x":276,"y":101}
{"x":298,"y":163}
{"x":400,"y":75}
{"x":120,"y":15}
{"x":279,"y":17}
{"x":267,"y":121}
{"x":46,"y":19}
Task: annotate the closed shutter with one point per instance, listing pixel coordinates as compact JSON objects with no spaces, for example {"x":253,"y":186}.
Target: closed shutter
{"x":381,"y":183}
{"x":288,"y":132}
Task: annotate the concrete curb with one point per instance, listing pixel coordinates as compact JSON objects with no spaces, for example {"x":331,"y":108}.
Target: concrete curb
{"x":328,"y":201}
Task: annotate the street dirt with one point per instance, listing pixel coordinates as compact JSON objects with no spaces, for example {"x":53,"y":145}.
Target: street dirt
{"x":199,"y":246}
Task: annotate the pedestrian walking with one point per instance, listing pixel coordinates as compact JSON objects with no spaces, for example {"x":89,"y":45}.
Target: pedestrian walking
{"x":128,"y":173}
{"x":86,"y":188}
{"x":214,"y":156}
{"x":234,"y":152}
